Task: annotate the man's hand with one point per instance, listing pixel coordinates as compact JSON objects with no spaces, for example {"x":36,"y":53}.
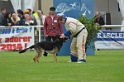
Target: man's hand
{"x":62,"y":36}
{"x":46,"y":35}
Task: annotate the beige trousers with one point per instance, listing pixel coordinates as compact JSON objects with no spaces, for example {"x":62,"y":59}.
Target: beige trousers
{"x":78,"y":45}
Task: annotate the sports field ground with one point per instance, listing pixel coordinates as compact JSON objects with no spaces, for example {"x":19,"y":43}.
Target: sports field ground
{"x":104,"y":66}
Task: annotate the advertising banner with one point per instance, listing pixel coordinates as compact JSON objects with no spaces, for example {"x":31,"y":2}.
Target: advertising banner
{"x":16,"y":38}
{"x":73,"y":8}
{"x":110,"y":40}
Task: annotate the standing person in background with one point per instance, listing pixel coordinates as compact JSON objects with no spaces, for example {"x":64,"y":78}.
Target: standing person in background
{"x":3,"y":12}
{"x":79,"y":33}
{"x":98,"y":19}
{"x":27,"y":21}
{"x":20,"y":15}
{"x":41,"y":18}
{"x":31,"y":14}
{"x":51,"y":27}
{"x":15,"y":19}
{"x":7,"y":20}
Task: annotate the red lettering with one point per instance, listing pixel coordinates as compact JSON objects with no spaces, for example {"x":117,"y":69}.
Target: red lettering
{"x":3,"y":46}
{"x":9,"y":46}
{"x":29,"y":38}
{"x":25,"y":39}
{"x":11,"y":39}
{"x":25,"y":45}
{"x":6,"y":39}
{"x":18,"y":39}
{"x":19,"y":46}
{"x":12,"y":46}
{"x":0,"y":40}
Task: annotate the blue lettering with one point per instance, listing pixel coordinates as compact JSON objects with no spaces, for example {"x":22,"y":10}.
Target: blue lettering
{"x":13,"y":30}
{"x":5,"y":31}
{"x":25,"y":30}
{"x":21,"y":30}
{"x":17,"y":30}
{"x":30,"y":29}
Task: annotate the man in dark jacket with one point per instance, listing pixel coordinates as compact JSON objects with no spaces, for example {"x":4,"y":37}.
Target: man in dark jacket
{"x":20,"y":15}
{"x":99,"y":20}
{"x":52,"y":27}
{"x":7,"y":20}
{"x":3,"y":12}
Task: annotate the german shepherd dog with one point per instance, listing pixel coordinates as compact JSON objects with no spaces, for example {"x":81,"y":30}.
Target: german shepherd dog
{"x":48,"y":46}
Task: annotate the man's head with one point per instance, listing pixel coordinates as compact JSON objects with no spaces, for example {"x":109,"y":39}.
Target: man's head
{"x":40,"y":13}
{"x":61,"y":19}
{"x":3,"y":10}
{"x":27,"y":17}
{"x":97,"y":14}
{"x":52,"y":10}
{"x":20,"y":12}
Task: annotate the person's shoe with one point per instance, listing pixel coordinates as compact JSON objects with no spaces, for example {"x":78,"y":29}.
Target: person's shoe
{"x":82,"y":61}
{"x":69,"y":61}
{"x":74,"y":58}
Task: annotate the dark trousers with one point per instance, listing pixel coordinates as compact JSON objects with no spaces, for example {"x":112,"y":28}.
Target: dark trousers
{"x":50,"y":38}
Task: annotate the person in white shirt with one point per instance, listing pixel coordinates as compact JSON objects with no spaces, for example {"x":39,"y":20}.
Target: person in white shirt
{"x":41,"y":18}
{"x":79,"y":33}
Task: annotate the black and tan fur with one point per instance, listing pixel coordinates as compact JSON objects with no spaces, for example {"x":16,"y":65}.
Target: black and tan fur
{"x":48,"y":46}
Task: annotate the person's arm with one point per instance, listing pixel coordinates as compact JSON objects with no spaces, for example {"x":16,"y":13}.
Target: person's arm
{"x":102,"y":21}
{"x":60,"y":28}
{"x":45,"y":26}
{"x":4,"y":22}
{"x":72,"y":29}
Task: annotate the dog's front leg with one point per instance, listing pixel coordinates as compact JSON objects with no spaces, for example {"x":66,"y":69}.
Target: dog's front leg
{"x":55,"y":57}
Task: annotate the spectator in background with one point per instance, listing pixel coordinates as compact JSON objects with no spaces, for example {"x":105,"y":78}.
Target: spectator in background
{"x":27,"y":21}
{"x":3,"y":12}
{"x":15,"y":19}
{"x":7,"y":20}
{"x":20,"y":15}
{"x":99,"y":20}
{"x":27,"y":12}
{"x":32,"y":16}
{"x":51,"y":27}
{"x":41,"y":18}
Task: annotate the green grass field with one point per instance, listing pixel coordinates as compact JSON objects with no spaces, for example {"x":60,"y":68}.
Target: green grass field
{"x":105,"y":66}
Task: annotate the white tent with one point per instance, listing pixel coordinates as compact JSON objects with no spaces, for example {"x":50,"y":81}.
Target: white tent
{"x":121,"y":5}
{"x":23,"y":4}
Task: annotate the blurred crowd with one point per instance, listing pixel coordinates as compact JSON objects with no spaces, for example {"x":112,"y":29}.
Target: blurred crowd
{"x":22,"y":18}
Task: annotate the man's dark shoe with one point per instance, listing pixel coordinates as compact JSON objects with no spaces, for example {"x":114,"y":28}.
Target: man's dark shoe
{"x":82,"y":61}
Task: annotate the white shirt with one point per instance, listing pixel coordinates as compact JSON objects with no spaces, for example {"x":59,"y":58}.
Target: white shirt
{"x":74,"y":25}
{"x":38,"y":19}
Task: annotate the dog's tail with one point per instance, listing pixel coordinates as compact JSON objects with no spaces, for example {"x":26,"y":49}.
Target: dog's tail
{"x":22,"y":51}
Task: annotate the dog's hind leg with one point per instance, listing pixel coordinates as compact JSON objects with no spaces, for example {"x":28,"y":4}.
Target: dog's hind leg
{"x":55,"y":57}
{"x":35,"y":58}
{"x":39,"y":55}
